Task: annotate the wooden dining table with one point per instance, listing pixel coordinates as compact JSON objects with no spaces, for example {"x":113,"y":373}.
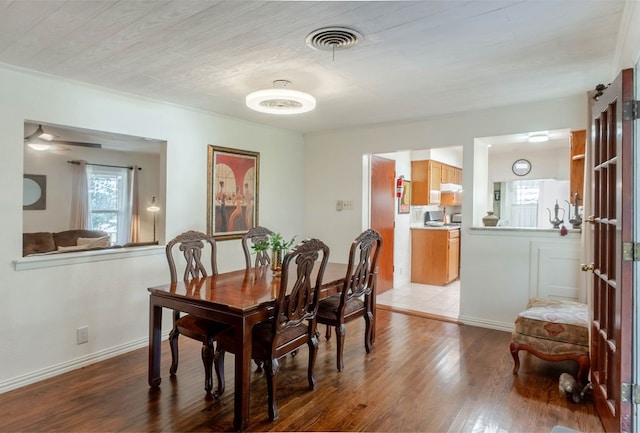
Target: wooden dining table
{"x":240,"y":299}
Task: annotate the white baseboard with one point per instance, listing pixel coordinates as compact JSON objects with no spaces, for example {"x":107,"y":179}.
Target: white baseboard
{"x":74,"y":364}
{"x":484,"y":323}
{"x":401,"y":283}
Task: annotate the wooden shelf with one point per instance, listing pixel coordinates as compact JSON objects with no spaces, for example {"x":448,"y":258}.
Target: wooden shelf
{"x":576,"y":171}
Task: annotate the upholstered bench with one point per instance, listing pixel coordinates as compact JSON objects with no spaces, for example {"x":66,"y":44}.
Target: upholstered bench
{"x":553,"y":330}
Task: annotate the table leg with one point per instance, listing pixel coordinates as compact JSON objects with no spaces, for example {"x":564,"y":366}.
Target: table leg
{"x":242,"y":378}
{"x":155,"y":336}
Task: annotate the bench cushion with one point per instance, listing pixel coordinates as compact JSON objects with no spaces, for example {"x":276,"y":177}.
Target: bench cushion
{"x":557,"y":321}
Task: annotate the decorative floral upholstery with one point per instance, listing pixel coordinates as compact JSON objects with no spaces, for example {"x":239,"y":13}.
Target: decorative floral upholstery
{"x":553,"y":330}
{"x":558,"y":321}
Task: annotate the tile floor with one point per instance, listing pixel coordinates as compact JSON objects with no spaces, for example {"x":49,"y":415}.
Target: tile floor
{"x":440,"y":302}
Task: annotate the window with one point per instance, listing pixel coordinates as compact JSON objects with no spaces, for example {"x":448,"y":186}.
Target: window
{"x":524,"y":203}
{"x":108,"y":199}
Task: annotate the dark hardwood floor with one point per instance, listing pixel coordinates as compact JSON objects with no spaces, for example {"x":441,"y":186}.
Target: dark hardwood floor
{"x":422,"y":376}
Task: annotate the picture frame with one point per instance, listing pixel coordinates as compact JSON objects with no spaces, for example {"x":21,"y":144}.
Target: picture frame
{"x":232,"y":191}
{"x":404,"y":201}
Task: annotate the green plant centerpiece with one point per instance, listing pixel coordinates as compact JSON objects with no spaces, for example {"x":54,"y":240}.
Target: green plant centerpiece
{"x":278,"y":246}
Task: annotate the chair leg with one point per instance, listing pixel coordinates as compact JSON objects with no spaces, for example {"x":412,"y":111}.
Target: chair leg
{"x":218,"y":362}
{"x":271,"y":368}
{"x":207,"y":361}
{"x":514,"y":347}
{"x":313,"y":351}
{"x":173,"y":344}
{"x":327,"y":334}
{"x":258,"y":365}
{"x":341,"y":331}
{"x":368,"y":331}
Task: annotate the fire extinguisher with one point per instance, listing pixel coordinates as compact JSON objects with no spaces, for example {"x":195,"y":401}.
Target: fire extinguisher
{"x":399,"y":186}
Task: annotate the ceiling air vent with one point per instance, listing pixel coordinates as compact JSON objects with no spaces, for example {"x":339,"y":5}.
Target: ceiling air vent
{"x":333,"y":38}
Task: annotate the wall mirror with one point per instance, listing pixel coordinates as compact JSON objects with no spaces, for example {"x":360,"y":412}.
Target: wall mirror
{"x":34,"y":192}
{"x":50,"y":151}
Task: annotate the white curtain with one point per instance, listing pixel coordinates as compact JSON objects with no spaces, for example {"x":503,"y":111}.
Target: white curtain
{"x":79,"y":197}
{"x":524,"y":215}
{"x":134,"y":206}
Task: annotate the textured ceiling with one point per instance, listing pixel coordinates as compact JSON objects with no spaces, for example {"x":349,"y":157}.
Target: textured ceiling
{"x":417,"y":58}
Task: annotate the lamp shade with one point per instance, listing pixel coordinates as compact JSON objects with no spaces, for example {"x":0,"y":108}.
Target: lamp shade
{"x":153,"y":206}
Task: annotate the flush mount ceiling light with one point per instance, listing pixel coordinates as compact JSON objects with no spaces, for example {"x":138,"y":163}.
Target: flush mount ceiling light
{"x":280,"y":100}
{"x":538,"y":137}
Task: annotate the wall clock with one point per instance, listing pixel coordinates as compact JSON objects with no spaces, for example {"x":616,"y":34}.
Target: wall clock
{"x":521,"y":167}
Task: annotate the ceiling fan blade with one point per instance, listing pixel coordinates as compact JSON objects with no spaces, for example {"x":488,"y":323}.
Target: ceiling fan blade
{"x":78,"y":143}
{"x":37,"y":133}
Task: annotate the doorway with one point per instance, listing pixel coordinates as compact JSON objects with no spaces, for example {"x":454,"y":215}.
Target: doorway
{"x":442,"y":302}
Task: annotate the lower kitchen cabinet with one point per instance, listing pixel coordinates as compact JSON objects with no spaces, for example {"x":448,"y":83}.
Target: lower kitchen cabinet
{"x":435,"y":256}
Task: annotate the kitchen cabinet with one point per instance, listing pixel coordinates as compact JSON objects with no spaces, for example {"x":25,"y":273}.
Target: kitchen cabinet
{"x":426,"y":177}
{"x":451,"y":174}
{"x":435,"y":255}
{"x":576,"y":173}
{"x":451,"y":198}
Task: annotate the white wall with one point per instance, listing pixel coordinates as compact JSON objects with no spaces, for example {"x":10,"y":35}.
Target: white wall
{"x":494,"y":304}
{"x":41,"y":308}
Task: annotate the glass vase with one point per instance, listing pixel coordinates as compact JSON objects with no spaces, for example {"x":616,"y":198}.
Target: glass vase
{"x":276,"y":261}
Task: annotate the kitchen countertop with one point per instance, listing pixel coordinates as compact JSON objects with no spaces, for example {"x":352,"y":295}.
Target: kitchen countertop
{"x":423,"y":227}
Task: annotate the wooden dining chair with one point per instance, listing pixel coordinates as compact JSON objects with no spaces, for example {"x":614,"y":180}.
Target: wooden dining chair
{"x":192,"y":245}
{"x":252,"y":237}
{"x":356,"y":297}
{"x":294,"y":318}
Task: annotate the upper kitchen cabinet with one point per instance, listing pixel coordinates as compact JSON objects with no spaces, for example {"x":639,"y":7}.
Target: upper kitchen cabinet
{"x":576,"y":174}
{"x":451,"y":174}
{"x":426,"y":177}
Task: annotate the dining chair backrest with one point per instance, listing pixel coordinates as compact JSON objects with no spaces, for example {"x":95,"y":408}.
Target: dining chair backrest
{"x":192,"y":244}
{"x":361,"y":270}
{"x":297,"y":301}
{"x":252,"y":237}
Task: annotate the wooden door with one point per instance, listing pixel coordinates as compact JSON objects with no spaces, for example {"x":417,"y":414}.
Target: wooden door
{"x":383,"y":202}
{"x":612,"y":188}
{"x":453,"y":270}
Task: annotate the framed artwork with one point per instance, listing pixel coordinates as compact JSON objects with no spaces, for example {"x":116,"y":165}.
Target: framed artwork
{"x":232,"y":191}
{"x":404,"y":201}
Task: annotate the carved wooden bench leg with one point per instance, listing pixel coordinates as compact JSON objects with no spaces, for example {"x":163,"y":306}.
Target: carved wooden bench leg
{"x":515,"y":348}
